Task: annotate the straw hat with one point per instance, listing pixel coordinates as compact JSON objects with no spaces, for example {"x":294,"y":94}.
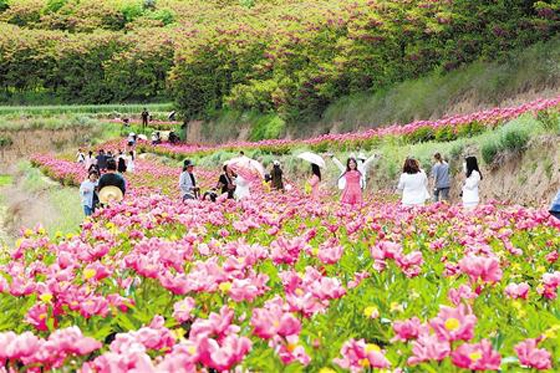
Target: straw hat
{"x":109,"y":194}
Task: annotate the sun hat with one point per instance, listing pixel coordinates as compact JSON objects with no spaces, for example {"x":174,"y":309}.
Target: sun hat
{"x":276,"y":162}
{"x":188,"y":163}
{"x":110,"y":193}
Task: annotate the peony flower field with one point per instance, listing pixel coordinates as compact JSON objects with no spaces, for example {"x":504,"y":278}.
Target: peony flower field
{"x":281,"y":283}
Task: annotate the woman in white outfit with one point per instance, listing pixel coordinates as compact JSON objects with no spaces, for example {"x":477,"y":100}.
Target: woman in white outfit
{"x":470,"y":187}
{"x":414,"y":184}
{"x":130,"y":161}
{"x":242,"y":188}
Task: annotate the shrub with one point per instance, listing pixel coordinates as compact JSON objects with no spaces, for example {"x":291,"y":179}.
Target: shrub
{"x":514,"y":140}
{"x":550,"y":120}
{"x":5,"y":141}
{"x":422,"y":134}
{"x":489,"y":151}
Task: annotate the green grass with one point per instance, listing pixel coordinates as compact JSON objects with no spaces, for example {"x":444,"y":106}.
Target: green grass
{"x":83,"y":109}
{"x":6,"y":180}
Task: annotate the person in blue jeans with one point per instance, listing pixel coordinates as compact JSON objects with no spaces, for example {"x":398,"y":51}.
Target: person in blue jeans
{"x":442,"y":180}
{"x":87,"y":192}
{"x":555,"y":206}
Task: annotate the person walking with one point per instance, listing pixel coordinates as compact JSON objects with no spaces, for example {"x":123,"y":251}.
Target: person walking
{"x":130,"y":161}
{"x":80,"y":156}
{"x":145,"y":116}
{"x":226,"y":182}
{"x":441,"y":179}
{"x":473,"y":175}
{"x":88,"y":193}
{"x":413,"y":184}
{"x":121,"y":162}
{"x":352,"y":193}
{"x":112,"y":178}
{"x":276,"y":176}
{"x":313,"y":183}
{"x":90,"y":159}
{"x":187,"y":182}
{"x":101,"y":160}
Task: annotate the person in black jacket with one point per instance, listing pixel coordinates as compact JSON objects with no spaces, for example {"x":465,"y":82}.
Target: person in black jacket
{"x":101,"y":160}
{"x":226,"y":182}
{"x":112,"y":177}
{"x":121,"y":165}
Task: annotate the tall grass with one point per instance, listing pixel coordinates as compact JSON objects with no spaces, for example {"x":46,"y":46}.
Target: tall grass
{"x":84,"y":109}
{"x":480,"y":83}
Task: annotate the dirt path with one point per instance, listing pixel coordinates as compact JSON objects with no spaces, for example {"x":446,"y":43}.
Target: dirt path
{"x":23,"y":207}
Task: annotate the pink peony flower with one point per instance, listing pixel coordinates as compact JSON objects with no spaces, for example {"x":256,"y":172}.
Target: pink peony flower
{"x":407,"y":329}
{"x":452,"y":324}
{"x":357,"y":356}
{"x":515,"y":291}
{"x":182,"y":309}
{"x":480,"y":267}
{"x":428,"y":347}
{"x":478,"y":356}
{"x":532,"y":357}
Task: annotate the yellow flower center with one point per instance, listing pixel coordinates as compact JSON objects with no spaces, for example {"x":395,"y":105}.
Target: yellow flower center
{"x":372,"y":347}
{"x":291,"y":347}
{"x":370,"y":311}
{"x":364,"y":363}
{"x":89,"y":273}
{"x":452,"y":324}
{"x":47,"y":297}
{"x":299,"y":292}
{"x":475,"y":356}
{"x":225,"y":286}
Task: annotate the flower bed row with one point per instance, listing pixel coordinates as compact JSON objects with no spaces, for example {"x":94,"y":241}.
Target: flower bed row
{"x":442,"y":130}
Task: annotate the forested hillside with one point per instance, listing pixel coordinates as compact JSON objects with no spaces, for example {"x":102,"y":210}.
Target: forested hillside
{"x":290,"y":57}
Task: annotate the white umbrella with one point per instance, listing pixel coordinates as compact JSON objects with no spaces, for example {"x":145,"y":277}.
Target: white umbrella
{"x":313,"y":158}
{"x":246,"y":167}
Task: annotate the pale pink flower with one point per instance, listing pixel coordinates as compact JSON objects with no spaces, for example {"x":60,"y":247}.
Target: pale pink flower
{"x":515,"y":291}
{"x":357,"y":355}
{"x":531,"y":356}
{"x":183,"y":308}
{"x":477,"y":356}
{"x":453,"y":324}
{"x":429,"y":347}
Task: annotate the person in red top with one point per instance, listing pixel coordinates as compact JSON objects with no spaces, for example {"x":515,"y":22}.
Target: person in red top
{"x":352,"y":193}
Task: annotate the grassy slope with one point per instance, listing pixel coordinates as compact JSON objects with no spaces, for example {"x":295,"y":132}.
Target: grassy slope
{"x":480,"y":84}
{"x":535,"y":70}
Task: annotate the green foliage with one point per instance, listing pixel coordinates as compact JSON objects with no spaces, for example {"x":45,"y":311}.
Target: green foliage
{"x":550,"y":120}
{"x":267,"y":127}
{"x":489,"y":150}
{"x":294,"y":58}
{"x":5,"y":141}
{"x":4,"y":5}
{"x":511,"y":138}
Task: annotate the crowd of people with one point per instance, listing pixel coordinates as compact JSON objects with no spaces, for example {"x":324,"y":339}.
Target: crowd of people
{"x":414,"y":185}
{"x":105,"y":181}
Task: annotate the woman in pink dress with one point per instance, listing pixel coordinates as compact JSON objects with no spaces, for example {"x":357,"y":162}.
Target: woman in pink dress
{"x":352,"y":193}
{"x":314,"y":181}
